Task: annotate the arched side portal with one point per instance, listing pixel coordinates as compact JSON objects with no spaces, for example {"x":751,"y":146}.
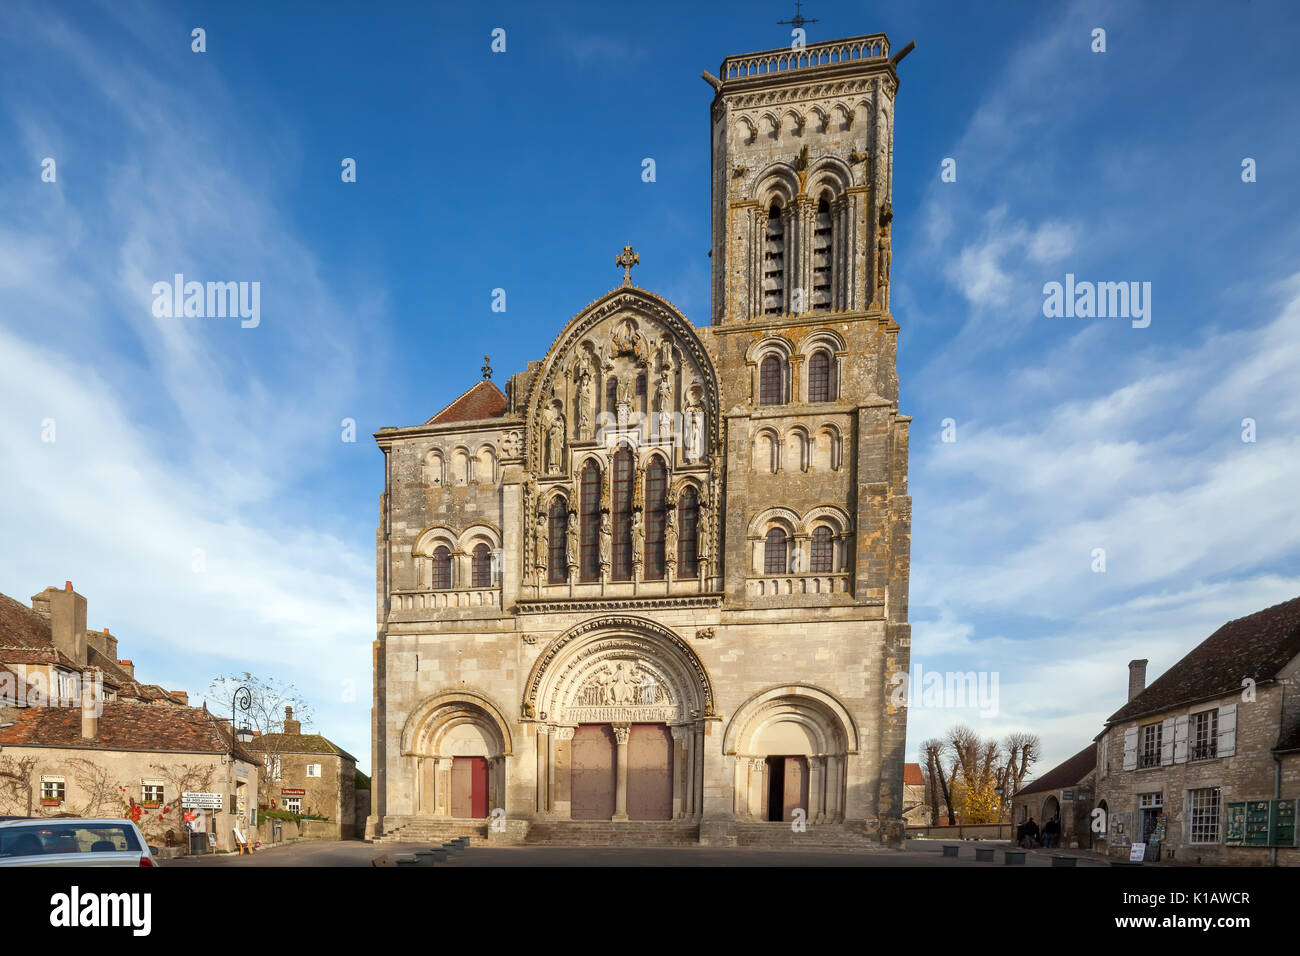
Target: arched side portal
{"x":791,"y":745}
{"x":618,"y":705}
{"x":457,"y":743}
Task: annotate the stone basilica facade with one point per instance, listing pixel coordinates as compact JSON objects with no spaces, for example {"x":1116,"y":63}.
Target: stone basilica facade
{"x":655,"y":590}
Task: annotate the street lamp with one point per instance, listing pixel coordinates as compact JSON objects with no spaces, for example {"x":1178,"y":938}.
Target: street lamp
{"x":244,"y":700}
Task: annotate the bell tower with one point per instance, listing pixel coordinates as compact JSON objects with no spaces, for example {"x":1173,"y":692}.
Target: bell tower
{"x":802,"y":147}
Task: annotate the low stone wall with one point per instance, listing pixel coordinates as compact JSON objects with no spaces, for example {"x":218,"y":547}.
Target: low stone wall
{"x":266,"y":831}
{"x":971,"y":831}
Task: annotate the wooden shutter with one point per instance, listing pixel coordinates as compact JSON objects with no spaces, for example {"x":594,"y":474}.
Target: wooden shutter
{"x":1180,"y":739}
{"x":1130,"y":748}
{"x":1227,"y":730}
{"x":1167,"y":742}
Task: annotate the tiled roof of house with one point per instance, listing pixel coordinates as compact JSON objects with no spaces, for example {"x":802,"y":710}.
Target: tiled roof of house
{"x":1255,"y":646}
{"x":912,"y":776}
{"x":298,"y":744}
{"x":484,"y":400}
{"x":21,"y":627}
{"x":123,"y":725}
{"x":1066,"y":775}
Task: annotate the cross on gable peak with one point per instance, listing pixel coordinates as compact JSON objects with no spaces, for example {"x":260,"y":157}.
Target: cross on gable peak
{"x":627,"y":260}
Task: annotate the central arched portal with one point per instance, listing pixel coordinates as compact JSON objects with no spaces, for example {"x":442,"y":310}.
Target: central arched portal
{"x":619,"y":705}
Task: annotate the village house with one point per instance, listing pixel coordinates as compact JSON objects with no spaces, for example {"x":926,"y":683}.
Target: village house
{"x":1066,"y":791}
{"x":308,"y":774}
{"x":1203,"y":766}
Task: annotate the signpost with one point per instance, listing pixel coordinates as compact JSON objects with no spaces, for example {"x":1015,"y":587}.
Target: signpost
{"x":193,"y":800}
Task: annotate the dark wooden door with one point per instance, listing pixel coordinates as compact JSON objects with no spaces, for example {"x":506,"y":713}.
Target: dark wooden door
{"x":592,"y":772}
{"x":650,"y":772}
{"x":469,"y":787}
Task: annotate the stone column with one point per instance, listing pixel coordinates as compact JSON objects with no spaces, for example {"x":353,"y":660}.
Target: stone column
{"x":561,"y":775}
{"x":492,"y":764}
{"x":442,"y":799}
{"x":698,"y":784}
{"x":757,"y":768}
{"x":833,"y":765}
{"x":679,"y":772}
{"x":816,"y":791}
{"x":543,"y":748}
{"x":621,"y":734}
{"x":550,"y":769}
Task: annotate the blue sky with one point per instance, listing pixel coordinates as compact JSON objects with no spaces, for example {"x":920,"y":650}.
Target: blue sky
{"x":522,"y":171}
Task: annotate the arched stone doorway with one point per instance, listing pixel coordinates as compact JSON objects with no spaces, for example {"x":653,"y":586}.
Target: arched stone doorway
{"x":458,"y":743}
{"x":1051,"y":808}
{"x":791,"y":746}
{"x":618,"y":705}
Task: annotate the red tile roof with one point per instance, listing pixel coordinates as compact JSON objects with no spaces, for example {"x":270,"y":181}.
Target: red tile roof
{"x":912,"y":776}
{"x":1067,"y":775}
{"x":20,"y":626}
{"x":484,"y":400}
{"x":1256,"y":646}
{"x":298,"y":744}
{"x":123,"y":725}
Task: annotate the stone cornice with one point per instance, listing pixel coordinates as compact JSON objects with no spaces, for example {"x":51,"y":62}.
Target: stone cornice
{"x":710,"y":599}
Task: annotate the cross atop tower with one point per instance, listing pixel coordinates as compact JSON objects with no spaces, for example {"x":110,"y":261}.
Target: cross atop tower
{"x":798,"y":20}
{"x":627,"y":260}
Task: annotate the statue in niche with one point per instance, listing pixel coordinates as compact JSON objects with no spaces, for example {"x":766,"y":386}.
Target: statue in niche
{"x":670,"y":535}
{"x":571,"y":544}
{"x":638,"y":539}
{"x":704,"y":534}
{"x":694,"y":425}
{"x":625,"y":341}
{"x":584,"y":401}
{"x":540,"y":544}
{"x":555,"y":441}
{"x":606,"y":543}
{"x":884,"y":255}
{"x":664,"y":396}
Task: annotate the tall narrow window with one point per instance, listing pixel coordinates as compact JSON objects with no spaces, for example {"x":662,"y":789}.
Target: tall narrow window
{"x":823,"y":551}
{"x":622,"y":515}
{"x":774,"y":550}
{"x":819,"y":377}
{"x":557,"y":526}
{"x":821,"y":259}
{"x":656,"y":482}
{"x":774,"y":263}
{"x":770,"y":387}
{"x":611,"y":395}
{"x":481,"y":568}
{"x":589,"y":560}
{"x":640,"y":394}
{"x":441,"y":568}
{"x":688,"y":521}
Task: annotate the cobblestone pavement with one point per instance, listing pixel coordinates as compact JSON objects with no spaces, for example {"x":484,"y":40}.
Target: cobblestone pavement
{"x":359,"y":853}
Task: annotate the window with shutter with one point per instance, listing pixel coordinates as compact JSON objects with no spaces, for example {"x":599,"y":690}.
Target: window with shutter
{"x":1227,"y":745}
{"x":557,"y":524}
{"x":821,"y":259}
{"x":589,"y":499}
{"x":688,"y":519}
{"x":1130,"y":748}
{"x":622,"y":515}
{"x":774,"y":264}
{"x":656,"y":486}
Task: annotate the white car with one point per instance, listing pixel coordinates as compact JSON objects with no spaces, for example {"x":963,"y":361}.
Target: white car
{"x":65,"y":841}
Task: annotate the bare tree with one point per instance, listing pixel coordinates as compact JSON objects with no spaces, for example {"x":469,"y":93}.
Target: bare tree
{"x":932,"y":755}
{"x":267,"y":700}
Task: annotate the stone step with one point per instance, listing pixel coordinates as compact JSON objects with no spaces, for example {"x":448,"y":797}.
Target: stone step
{"x":604,"y":833}
{"x":816,"y":836}
{"x":437,"y":832}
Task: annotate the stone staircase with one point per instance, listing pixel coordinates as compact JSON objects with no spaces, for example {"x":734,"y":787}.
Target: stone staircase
{"x":437,"y":832}
{"x":816,"y":837}
{"x":606,"y":833}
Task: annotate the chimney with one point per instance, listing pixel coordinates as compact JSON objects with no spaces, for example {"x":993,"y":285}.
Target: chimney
{"x":291,"y":726}
{"x":89,"y":711}
{"x":103,"y":642}
{"x":1137,"y":677}
{"x":128,"y":667}
{"x":67,"y":621}
{"x":183,"y":695}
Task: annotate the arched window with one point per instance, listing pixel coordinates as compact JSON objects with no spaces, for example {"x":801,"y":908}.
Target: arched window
{"x":589,"y":560}
{"x":821,"y":259}
{"x":611,"y":395}
{"x":774,"y":263}
{"x":441,"y":568}
{"x":774,"y":550}
{"x":557,"y":524}
{"x":823,"y":551}
{"x":622,"y":515}
{"x":770,"y":386}
{"x":481,"y":567}
{"x":819,"y":377}
{"x":688,"y":522}
{"x":656,"y":487}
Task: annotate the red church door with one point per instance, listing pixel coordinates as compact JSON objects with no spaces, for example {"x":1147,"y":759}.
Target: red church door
{"x":469,"y":790}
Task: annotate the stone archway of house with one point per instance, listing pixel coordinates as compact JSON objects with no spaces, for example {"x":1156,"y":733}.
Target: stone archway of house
{"x":450,"y":730}
{"x":801,"y":733}
{"x":1051,"y":807}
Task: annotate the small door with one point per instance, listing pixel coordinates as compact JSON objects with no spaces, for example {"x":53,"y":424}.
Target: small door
{"x":650,"y":772}
{"x":592,"y":772}
{"x":469,"y":787}
{"x":787,"y":787}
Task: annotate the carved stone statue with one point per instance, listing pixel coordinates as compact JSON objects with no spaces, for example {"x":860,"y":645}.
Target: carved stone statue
{"x":884,"y":255}
{"x":670,"y":537}
{"x":626,"y":392}
{"x":606,"y":543}
{"x":555,"y":441}
{"x":571,"y":544}
{"x":703,"y":534}
{"x":664,"y":398}
{"x":584,"y":402}
{"x":638,"y":539}
{"x":540,"y":544}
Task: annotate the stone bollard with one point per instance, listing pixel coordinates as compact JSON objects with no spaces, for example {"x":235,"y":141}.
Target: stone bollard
{"x":950,"y":849}
{"x":1013,"y":857}
{"x":984,"y":854}
{"x":1064,"y":860}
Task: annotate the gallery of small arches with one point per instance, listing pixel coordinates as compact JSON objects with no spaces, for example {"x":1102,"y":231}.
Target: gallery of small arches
{"x":616,"y":716}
